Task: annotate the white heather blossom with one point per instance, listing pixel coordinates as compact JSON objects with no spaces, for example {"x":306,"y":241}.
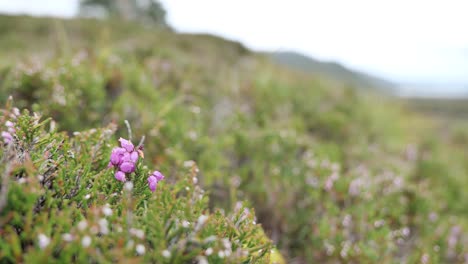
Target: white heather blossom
{"x":208,"y":251}
{"x":82,"y":225}
{"x":189,"y":163}
{"x":86,"y":241}
{"x":67,"y":237}
{"x":43,"y":240}
{"x":128,"y":186}
{"x":166,"y":253}
{"x":140,"y":249}
{"x":137,"y":232}
{"x":202,"y":260}
{"x":405,"y":231}
{"x":103,"y":226}
{"x":106,"y":210}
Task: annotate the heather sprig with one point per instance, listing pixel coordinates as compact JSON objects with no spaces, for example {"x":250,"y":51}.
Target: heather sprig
{"x":124,"y":160}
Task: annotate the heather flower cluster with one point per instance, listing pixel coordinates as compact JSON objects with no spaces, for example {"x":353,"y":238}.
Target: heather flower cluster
{"x":10,"y":131}
{"x":153,"y":180}
{"x":124,"y":159}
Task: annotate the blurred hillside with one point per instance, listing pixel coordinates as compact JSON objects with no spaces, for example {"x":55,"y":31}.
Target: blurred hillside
{"x":334,"y":174}
{"x":332,"y":70}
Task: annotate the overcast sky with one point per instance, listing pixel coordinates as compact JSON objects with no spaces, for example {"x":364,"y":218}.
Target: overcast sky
{"x":403,"y":40}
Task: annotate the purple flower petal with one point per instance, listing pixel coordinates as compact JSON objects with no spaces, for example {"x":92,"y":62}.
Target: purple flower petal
{"x":126,"y":144}
{"x":116,"y":155}
{"x":7,"y":137}
{"x":127,"y":167}
{"x":152,"y":183}
{"x":134,"y":156}
{"x":9,"y":124}
{"x":120,"y":176}
{"x":158,"y":175}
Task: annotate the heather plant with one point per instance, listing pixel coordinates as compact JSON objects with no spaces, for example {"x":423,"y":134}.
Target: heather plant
{"x":334,"y":174}
{"x":61,"y":203}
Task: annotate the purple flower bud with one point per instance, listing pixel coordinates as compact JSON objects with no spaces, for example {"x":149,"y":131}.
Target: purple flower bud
{"x":134,"y":156}
{"x":126,"y":157}
{"x":120,"y":176}
{"x":9,"y":124}
{"x":126,"y":144}
{"x":127,"y":167}
{"x":152,"y":183}
{"x":116,"y":155}
{"x":7,"y":137}
{"x":158,"y":175}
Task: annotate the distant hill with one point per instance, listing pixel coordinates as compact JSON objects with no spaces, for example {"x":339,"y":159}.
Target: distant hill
{"x":331,"y":70}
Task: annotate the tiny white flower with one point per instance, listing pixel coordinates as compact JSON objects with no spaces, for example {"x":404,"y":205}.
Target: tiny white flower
{"x":195,"y":109}
{"x":185,"y":224}
{"x":44,"y":241}
{"x":189,"y":163}
{"x":166,"y":253}
{"x":405,"y":231}
{"x":202,"y":260}
{"x":82,"y":225}
{"x":128,"y":186}
{"x":221,"y":254}
{"x":379,"y":223}
{"x":106,"y":210}
{"x":208,"y":251}
{"x":192,"y":135}
{"x":86,"y":241}
{"x":22,"y":180}
{"x":140,"y":249}
{"x":87,"y":196}
{"x":137,"y":232}
{"x":103,"y":226}
{"x":67,"y":237}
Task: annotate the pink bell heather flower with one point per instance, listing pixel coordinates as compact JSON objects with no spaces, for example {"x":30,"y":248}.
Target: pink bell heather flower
{"x":158,"y":175}
{"x":7,"y":137}
{"x":127,"y":167}
{"x":120,"y":176}
{"x":8,"y":123}
{"x":153,"y":180}
{"x":152,"y":183}
{"x":117,"y":155}
{"x":134,"y":156}
{"x":124,"y":159}
{"x":11,"y":127}
{"x":126,"y":144}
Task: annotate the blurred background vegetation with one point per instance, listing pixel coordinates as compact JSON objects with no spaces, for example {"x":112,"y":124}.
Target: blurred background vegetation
{"x":337,"y":168}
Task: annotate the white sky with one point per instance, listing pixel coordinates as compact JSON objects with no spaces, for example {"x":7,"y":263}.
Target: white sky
{"x":403,"y":40}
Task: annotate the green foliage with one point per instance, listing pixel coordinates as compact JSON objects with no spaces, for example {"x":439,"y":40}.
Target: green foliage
{"x":63,"y":205}
{"x":334,"y":174}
